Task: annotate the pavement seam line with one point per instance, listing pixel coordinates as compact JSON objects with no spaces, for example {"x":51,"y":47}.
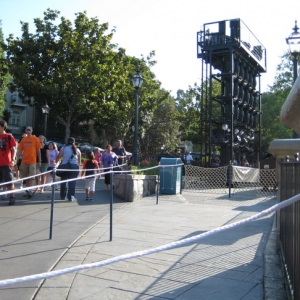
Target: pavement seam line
{"x":69,"y":247}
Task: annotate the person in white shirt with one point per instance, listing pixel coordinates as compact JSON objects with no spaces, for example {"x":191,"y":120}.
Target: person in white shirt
{"x":188,"y":158}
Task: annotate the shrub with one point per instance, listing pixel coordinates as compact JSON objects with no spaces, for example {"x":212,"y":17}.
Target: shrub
{"x":145,"y":164}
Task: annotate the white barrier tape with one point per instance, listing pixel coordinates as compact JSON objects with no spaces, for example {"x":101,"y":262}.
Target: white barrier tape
{"x":107,"y":168}
{"x":34,"y":187}
{"x":150,"y":168}
{"x":149,"y":251}
{"x":25,"y":178}
{"x":110,"y":170}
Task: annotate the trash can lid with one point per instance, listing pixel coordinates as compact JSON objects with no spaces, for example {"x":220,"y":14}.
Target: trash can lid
{"x":170,"y":161}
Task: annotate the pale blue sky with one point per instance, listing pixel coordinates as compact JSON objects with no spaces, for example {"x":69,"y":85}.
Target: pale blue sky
{"x":169,"y":27}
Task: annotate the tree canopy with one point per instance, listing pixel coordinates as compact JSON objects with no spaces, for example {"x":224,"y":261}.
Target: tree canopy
{"x":78,"y":72}
{"x":272,"y":102}
{"x":160,"y":128}
{"x":192,"y":105}
{"x":4,"y":76}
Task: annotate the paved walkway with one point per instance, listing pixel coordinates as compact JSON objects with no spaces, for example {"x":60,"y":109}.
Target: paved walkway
{"x":226,"y":265}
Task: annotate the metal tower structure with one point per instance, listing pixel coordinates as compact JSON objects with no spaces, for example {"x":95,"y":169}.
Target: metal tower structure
{"x":232,"y":62}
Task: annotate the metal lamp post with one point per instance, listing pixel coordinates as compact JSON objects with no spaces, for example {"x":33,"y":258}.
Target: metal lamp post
{"x":294,"y":44}
{"x":45,"y":110}
{"x":137,"y":81}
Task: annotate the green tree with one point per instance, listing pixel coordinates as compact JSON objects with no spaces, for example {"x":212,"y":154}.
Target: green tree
{"x":4,"y":76}
{"x":160,"y":127}
{"x":187,"y":103}
{"x":7,"y":113}
{"x":272,"y":102}
{"x":193,"y":106}
{"x":119,"y":118}
{"x":62,"y":65}
{"x":78,"y":72}
{"x":284,"y":76}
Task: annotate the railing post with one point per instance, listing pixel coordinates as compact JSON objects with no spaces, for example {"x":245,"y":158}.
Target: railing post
{"x":229,"y":178}
{"x":111,"y":202}
{"x":158,"y":184}
{"x":181,"y":177}
{"x":52,"y":203}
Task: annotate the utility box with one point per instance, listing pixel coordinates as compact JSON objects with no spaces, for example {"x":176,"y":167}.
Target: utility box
{"x":268,"y":163}
{"x":170,"y":175}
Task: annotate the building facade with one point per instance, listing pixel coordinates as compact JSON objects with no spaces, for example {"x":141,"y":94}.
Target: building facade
{"x":22,"y":114}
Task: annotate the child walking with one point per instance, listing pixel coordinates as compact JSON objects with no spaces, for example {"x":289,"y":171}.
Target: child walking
{"x":90,"y":167}
{"x":52,"y":153}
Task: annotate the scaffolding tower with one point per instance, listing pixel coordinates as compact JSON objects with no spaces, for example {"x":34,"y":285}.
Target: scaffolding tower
{"x":232,"y":62}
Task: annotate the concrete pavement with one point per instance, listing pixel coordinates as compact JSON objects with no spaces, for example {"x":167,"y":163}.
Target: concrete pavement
{"x":228,"y":265}
{"x":25,"y":248}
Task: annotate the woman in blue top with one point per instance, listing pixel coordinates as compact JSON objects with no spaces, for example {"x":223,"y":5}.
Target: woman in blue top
{"x":107,"y":162}
{"x":67,"y":152}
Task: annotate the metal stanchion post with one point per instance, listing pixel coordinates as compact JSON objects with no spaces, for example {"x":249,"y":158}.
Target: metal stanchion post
{"x":180,"y":166}
{"x":158,"y":185}
{"x":52,"y":203}
{"x":230,"y":177}
{"x":111,"y":201}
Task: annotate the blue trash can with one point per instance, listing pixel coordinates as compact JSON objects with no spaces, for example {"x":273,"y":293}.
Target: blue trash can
{"x":170,"y":176}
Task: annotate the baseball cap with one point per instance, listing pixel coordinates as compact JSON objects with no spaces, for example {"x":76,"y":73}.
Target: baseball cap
{"x":29,"y":128}
{"x":71,"y":140}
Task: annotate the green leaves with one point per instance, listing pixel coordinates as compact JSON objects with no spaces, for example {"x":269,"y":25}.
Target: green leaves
{"x":80,"y":73}
{"x":273,"y":101}
{"x":4,"y":75}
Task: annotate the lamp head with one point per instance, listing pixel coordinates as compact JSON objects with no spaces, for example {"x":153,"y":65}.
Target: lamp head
{"x":46,"y":109}
{"x":225,"y":126}
{"x":294,"y":41}
{"x":137,"y":80}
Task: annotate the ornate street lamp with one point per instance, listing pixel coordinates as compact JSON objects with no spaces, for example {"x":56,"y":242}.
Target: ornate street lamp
{"x":45,"y":110}
{"x":294,"y":44}
{"x":137,"y":81}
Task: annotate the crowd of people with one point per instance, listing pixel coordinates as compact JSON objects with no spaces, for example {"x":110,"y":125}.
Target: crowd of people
{"x":31,"y":160}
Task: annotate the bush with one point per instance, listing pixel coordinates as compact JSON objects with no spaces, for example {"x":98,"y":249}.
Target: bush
{"x":145,"y":164}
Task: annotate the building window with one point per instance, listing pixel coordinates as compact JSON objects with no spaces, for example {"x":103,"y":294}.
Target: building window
{"x":16,"y":118}
{"x":15,"y":97}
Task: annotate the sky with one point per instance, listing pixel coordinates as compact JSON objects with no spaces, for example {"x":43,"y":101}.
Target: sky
{"x":169,"y":27}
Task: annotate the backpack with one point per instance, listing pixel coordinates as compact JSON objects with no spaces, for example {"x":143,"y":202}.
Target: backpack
{"x":90,"y":165}
{"x":3,"y":145}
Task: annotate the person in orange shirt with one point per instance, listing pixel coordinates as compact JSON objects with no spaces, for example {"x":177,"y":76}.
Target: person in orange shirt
{"x":29,"y":147}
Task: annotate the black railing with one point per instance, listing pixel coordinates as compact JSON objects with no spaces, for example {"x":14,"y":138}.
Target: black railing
{"x":289,"y":224}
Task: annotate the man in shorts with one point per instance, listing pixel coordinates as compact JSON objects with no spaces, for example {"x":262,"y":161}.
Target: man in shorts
{"x":29,"y":147}
{"x":7,"y":159}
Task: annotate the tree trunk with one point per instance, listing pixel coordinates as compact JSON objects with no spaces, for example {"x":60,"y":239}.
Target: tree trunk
{"x":93,"y":132}
{"x":67,"y":132}
{"x":104,"y":138}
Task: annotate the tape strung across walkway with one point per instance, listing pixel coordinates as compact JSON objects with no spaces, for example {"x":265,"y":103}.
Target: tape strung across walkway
{"x":106,"y":171}
{"x":149,"y":251}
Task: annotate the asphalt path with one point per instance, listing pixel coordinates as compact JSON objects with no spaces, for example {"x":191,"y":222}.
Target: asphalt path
{"x":25,"y":244}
